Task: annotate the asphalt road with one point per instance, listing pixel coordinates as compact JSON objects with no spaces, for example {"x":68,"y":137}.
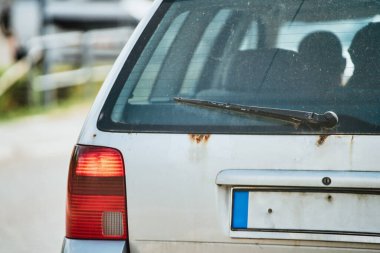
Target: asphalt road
{"x":34,"y":159}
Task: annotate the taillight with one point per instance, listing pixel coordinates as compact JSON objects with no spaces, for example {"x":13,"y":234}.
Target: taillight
{"x":96,"y":199}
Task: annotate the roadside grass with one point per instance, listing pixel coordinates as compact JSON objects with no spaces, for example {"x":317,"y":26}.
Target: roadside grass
{"x":81,"y":96}
{"x":19,"y":101}
{"x":57,"y":108}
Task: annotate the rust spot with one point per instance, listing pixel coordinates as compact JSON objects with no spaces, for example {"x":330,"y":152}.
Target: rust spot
{"x":199,"y":138}
{"x":351,"y":149}
{"x":321,"y":140}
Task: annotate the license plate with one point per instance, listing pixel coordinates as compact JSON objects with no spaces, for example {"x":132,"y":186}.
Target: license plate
{"x":295,"y":211}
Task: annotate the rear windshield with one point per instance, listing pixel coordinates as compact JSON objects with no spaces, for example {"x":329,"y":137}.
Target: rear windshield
{"x":300,"y":55}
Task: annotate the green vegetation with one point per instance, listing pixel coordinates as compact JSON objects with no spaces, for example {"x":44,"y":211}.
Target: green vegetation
{"x":36,"y":110}
{"x":15,"y":102}
{"x":16,"y":97}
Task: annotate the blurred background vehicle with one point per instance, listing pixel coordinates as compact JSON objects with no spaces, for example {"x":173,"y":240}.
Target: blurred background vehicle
{"x":64,"y":43}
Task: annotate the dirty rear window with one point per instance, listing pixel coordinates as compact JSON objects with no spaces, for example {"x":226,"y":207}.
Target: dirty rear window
{"x":314,"y":56}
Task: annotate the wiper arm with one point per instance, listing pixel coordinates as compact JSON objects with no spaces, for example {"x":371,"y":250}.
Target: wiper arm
{"x":327,"y":120}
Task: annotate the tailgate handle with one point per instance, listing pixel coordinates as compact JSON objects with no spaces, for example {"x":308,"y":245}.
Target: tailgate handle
{"x":299,"y":178}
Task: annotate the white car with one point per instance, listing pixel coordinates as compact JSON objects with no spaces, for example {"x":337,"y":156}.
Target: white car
{"x":235,"y":126}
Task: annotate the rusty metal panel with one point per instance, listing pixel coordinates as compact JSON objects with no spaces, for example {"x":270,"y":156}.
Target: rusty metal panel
{"x":337,"y":213}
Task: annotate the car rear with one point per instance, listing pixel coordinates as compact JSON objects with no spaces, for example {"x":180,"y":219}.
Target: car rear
{"x":184,"y":149}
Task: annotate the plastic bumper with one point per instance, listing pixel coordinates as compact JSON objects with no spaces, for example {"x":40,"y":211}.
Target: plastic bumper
{"x":93,"y":246}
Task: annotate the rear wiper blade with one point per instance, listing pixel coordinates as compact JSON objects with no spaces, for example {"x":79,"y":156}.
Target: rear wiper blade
{"x":327,"y":120}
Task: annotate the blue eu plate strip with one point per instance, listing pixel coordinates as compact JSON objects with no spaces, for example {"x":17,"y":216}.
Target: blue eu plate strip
{"x":240,"y":210}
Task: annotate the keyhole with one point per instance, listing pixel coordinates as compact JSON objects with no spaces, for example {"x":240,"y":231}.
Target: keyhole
{"x":326,"y":181}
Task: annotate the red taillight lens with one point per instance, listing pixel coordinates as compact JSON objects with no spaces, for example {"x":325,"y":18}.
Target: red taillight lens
{"x":96,"y":199}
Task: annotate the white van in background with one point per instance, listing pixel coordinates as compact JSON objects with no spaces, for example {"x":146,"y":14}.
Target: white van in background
{"x":235,"y":126}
